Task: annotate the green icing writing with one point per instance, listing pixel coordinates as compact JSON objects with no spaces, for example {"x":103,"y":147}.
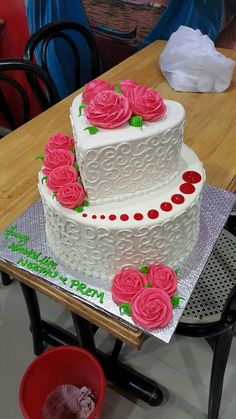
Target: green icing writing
{"x":85,"y":290}
{"x":12,"y":232}
{"x":36,"y":262}
{"x":36,"y":267}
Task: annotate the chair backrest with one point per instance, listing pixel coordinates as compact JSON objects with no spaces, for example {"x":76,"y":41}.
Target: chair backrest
{"x":39,"y":43}
{"x":46,"y":93}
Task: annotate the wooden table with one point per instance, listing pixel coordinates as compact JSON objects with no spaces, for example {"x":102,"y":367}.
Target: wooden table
{"x":209,"y":131}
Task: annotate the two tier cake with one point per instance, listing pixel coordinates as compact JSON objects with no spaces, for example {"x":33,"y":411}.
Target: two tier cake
{"x":137,"y":188}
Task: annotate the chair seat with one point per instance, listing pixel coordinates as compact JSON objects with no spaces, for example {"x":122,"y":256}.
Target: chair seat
{"x":217,"y":281}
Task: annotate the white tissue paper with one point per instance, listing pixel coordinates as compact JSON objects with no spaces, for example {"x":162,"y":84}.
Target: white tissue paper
{"x":190,"y":63}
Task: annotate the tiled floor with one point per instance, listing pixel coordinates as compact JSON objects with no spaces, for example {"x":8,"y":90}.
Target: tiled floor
{"x":181,"y":367}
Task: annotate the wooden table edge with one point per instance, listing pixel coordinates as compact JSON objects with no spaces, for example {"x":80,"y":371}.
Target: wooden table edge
{"x":126,"y":333}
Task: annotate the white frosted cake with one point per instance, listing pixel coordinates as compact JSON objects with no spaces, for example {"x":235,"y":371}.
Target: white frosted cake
{"x":136,"y":198}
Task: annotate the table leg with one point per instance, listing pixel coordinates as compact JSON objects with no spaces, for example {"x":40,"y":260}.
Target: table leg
{"x":6,"y":279}
{"x":35,"y":317}
{"x":116,"y":372}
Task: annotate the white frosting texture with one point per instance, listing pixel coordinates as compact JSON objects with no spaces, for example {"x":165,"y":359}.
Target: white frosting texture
{"x":124,"y":162}
{"x":106,"y":238}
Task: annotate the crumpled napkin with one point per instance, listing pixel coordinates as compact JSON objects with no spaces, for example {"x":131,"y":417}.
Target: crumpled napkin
{"x":190,"y":63}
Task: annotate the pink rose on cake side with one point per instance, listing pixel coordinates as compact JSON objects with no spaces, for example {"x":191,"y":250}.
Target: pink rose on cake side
{"x":126,"y":284}
{"x":93,"y":87}
{"x":127,"y":85}
{"x":55,"y":158}
{"x":108,"y":109}
{"x":71,"y":195}
{"x":61,"y":175}
{"x":162,"y":276}
{"x":147,"y":103}
{"x":59,"y":140}
{"x":151,"y":308}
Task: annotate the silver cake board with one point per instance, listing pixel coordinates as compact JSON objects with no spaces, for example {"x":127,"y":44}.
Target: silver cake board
{"x":24,"y":244}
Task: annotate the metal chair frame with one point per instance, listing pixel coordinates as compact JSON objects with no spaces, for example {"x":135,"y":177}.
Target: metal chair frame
{"x":47,"y":33}
{"x":45,"y":98}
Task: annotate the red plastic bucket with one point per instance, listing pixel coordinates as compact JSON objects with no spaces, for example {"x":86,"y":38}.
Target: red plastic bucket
{"x":62,"y":365}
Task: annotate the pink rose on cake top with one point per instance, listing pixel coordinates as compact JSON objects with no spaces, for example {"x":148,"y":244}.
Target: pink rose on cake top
{"x":94,"y":87}
{"x":126,"y":86}
{"x":131,"y":101}
{"x":108,"y":110}
{"x":147,"y":103}
{"x":59,"y":140}
{"x":147,"y":295}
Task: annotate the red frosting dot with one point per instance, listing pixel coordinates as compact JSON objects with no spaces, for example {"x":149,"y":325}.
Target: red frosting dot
{"x":191,"y":177}
{"x":84,"y":214}
{"x":187,"y":188}
{"x":102,"y":217}
{"x":112,"y":217}
{"x":177,"y":198}
{"x":166,"y":206}
{"x":153,"y":214}
{"x":124,"y":217}
{"x":138,"y":216}
{"x":94,"y":216}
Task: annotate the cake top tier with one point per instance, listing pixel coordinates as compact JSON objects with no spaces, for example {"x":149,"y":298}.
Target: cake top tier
{"x":149,"y":115}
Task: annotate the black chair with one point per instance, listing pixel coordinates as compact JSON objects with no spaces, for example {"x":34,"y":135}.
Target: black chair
{"x":211,"y":312}
{"x":46,"y":93}
{"x":46,"y":96}
{"x":41,"y":39}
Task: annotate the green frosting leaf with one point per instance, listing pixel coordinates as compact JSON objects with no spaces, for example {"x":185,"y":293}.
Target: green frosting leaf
{"x":76,"y":165}
{"x":177,"y":271}
{"x":92,"y":129}
{"x":39,"y":158}
{"x":86,"y":203}
{"x":72,"y":149}
{"x":117,"y":88}
{"x":125,"y":309}
{"x":144,"y":269}
{"x":136,"y":121}
{"x":79,"y":209}
{"x":54,"y":195}
{"x":175,"y":300}
{"x":44,"y":178}
{"x":154,"y":86}
{"x":82,"y":106}
{"x":148,"y":285}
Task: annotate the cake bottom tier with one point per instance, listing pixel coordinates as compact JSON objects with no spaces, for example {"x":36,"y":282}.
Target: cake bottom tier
{"x":159,"y":227}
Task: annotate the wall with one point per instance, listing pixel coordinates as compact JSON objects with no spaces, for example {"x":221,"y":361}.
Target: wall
{"x":12,"y":41}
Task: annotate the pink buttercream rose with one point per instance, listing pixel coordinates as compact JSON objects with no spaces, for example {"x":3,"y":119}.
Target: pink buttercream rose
{"x":57,"y":158}
{"x":146,"y":102}
{"x":126,"y":284}
{"x":162,"y":276}
{"x":59,"y":140}
{"x":61,"y":175}
{"x":93,"y":87}
{"x":71,"y":195}
{"x":108,"y":110}
{"x":127,"y":85}
{"x":151,"y":308}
